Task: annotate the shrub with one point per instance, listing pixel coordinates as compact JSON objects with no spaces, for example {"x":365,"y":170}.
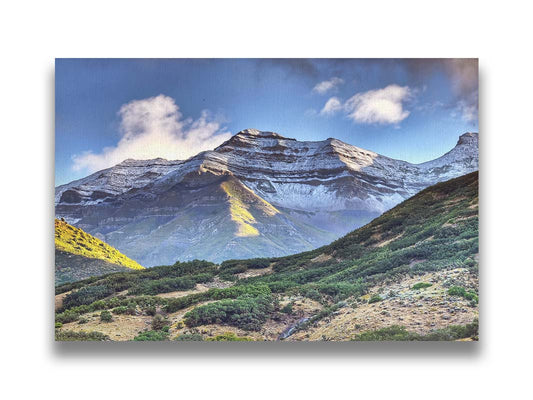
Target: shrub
{"x":151,"y":336}
{"x":58,"y":325}
{"x":374,"y":299}
{"x":105,"y":316}
{"x":150,"y":310}
{"x":399,"y":333}
{"x":229,"y":337}
{"x":287,"y":309}
{"x":67,"y":316}
{"x":158,"y":322}
{"x":421,"y":285}
{"x":120,"y":310}
{"x":462,"y":292}
{"x":69,"y":336}
{"x":391,"y":333}
{"x":245,"y":312}
{"x":190,"y":337}
{"x":86,"y":295}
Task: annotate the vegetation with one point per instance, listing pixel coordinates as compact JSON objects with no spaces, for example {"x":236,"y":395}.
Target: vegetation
{"x":162,"y":279}
{"x":421,"y":285}
{"x":159,"y":322}
{"x":145,"y":303}
{"x":436,"y":229}
{"x":69,"y":336}
{"x":74,"y":240}
{"x":190,"y":337}
{"x":229,"y":337}
{"x":287,"y":309}
{"x":244,"y":312}
{"x":374,"y":299}
{"x":151,"y":336}
{"x":462,"y":292}
{"x":400,"y":333}
{"x":105,"y":316}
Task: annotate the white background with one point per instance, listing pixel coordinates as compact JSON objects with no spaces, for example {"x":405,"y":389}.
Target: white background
{"x":34,"y":33}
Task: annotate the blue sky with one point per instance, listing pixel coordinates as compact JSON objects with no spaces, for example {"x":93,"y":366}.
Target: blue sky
{"x":108,"y":110}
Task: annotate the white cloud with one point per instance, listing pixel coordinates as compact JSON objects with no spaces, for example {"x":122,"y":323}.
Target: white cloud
{"x":152,"y":128}
{"x":325,"y":86}
{"x":381,"y":106}
{"x":332,"y":106}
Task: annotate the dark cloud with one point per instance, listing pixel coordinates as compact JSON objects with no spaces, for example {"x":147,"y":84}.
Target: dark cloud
{"x":298,"y":66}
{"x":463,"y":76}
{"x":463,"y":72}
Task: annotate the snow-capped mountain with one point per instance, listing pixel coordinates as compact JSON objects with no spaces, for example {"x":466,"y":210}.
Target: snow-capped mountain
{"x":258,"y":194}
{"x":113,"y":181}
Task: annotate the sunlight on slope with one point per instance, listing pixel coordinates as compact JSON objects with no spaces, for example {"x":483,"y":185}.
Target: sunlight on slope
{"x":240,"y":197}
{"x":239,"y":212}
{"x":73,"y":240}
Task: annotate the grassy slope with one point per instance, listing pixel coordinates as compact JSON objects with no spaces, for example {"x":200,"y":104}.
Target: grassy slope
{"x":434,"y":231}
{"x":76,"y":242}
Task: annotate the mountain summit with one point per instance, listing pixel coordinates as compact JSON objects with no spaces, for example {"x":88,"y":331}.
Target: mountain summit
{"x":258,"y":194}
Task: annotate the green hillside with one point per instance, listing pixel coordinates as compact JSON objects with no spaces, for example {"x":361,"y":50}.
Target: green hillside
{"x":80,"y":255}
{"x":410,"y":274}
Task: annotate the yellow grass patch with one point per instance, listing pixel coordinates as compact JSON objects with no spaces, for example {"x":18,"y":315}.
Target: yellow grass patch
{"x":74,"y":240}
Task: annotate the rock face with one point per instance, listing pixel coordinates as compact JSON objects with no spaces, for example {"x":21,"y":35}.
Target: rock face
{"x":258,"y":194}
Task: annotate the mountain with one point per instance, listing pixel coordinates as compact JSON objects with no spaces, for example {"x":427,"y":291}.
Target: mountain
{"x":80,"y":255}
{"x":258,"y":194}
{"x":410,"y":274}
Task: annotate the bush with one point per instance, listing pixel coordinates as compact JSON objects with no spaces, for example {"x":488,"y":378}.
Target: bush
{"x":105,"y":316}
{"x":399,"y":333}
{"x":67,"y":316}
{"x":233,"y":292}
{"x":374,"y":299}
{"x":229,"y":337}
{"x":59,"y":325}
{"x":391,"y":333}
{"x":151,"y":336}
{"x":86,"y":295}
{"x":245,"y":312}
{"x":190,"y":337}
{"x":150,"y":310}
{"x":421,"y":285}
{"x":69,"y":336}
{"x":462,"y":292}
{"x":158,"y":322}
{"x":287,"y":309}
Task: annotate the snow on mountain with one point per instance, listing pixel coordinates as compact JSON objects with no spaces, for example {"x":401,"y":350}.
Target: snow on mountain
{"x":160,"y":211}
{"x":113,"y":181}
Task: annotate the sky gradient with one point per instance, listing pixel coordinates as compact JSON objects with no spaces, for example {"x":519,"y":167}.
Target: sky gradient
{"x":108,"y":110}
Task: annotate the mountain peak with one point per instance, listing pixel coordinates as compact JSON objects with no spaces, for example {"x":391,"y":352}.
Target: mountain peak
{"x":259,"y":134}
{"x":468,"y":138}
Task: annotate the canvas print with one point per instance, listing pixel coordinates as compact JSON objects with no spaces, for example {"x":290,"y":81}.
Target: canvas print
{"x":266,"y":200}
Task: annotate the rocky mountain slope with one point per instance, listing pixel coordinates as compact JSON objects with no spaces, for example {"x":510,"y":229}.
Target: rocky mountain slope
{"x":258,"y":194}
{"x":80,"y":255}
{"x":411,"y":274}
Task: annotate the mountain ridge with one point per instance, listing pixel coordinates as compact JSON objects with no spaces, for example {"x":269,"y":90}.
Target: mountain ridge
{"x":321,"y":189}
